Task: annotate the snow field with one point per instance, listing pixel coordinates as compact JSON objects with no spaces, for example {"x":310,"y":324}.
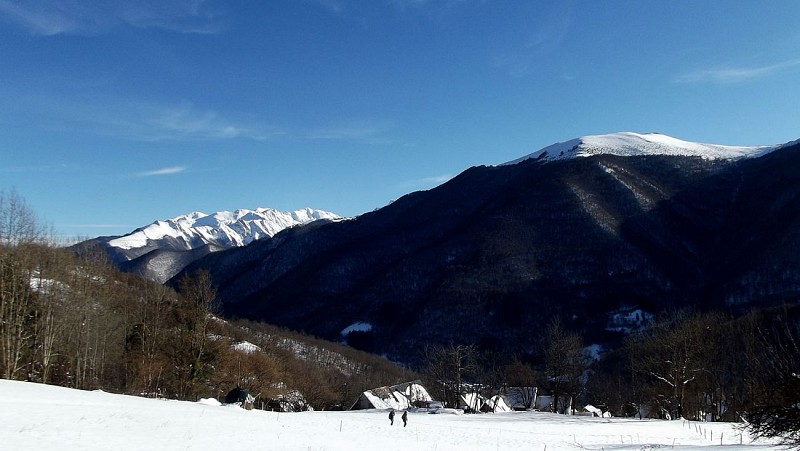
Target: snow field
{"x":35,"y":416}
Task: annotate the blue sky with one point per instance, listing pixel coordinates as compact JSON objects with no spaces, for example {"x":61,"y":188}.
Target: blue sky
{"x":114,"y":114}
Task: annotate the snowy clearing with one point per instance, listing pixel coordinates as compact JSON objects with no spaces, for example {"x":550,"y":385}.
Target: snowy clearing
{"x":35,"y":416}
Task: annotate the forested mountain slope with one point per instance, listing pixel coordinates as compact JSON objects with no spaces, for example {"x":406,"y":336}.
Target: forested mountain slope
{"x":491,"y":255}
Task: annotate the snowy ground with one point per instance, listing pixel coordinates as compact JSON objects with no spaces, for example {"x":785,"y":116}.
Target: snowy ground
{"x":34,"y":416}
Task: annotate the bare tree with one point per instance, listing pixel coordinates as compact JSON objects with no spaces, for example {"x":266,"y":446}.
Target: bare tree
{"x":18,"y":222}
{"x":447,"y":366}
{"x":775,"y":411}
{"x":673,"y":353}
{"x":564,"y":362}
{"x":49,"y":307}
{"x":16,"y":302}
{"x":146,"y":337}
{"x":199,"y":294}
{"x":523,"y":376}
{"x":19,"y":231}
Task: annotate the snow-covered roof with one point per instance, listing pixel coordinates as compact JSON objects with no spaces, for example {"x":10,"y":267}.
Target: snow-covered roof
{"x":497,"y":404}
{"x":399,"y":397}
{"x":520,"y":397}
{"x":395,"y":400}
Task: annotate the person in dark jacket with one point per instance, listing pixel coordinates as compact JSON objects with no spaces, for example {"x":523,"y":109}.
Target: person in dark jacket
{"x":405,"y":418}
{"x":391,"y":417}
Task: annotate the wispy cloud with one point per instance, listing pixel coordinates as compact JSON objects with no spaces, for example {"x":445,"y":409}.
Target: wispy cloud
{"x":162,"y":171}
{"x":426,"y":182}
{"x":187,"y":121}
{"x":736,"y":74}
{"x":53,"y":17}
{"x":403,"y":4}
{"x":370,"y":131}
{"x":547,"y":38}
{"x":435,"y":180}
{"x":406,"y":4}
{"x":43,"y":168}
{"x":344,"y":6}
{"x":334,"y":6}
{"x":139,"y":121}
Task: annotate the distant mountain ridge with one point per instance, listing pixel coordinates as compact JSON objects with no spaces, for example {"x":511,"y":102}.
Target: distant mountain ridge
{"x":223,"y":228}
{"x":161,"y":249}
{"x":642,"y":144}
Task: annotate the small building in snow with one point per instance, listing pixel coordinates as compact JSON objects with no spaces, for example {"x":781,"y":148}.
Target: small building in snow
{"x":471,"y":402}
{"x":545,"y":404}
{"x":496,"y":404}
{"x":240,"y":397}
{"x":398,"y":397}
{"x":521,"y":398}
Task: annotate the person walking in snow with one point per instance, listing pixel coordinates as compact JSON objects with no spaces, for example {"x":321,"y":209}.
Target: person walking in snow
{"x":405,"y":418}
{"x":391,"y":417}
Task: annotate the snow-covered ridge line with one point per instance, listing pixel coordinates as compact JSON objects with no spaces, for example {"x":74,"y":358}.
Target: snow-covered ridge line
{"x":225,"y":228}
{"x":633,"y":144}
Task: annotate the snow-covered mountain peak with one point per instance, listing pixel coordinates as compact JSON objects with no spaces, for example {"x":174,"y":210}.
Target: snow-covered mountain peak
{"x":223,"y":228}
{"x":632,"y":144}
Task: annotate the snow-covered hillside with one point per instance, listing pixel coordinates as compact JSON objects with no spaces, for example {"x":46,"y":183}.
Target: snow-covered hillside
{"x":41,"y":417}
{"x":629,"y":144}
{"x":223,"y":228}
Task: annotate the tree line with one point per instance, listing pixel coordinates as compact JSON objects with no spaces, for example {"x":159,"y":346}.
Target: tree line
{"x":703,"y":366}
{"x":72,"y":320}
